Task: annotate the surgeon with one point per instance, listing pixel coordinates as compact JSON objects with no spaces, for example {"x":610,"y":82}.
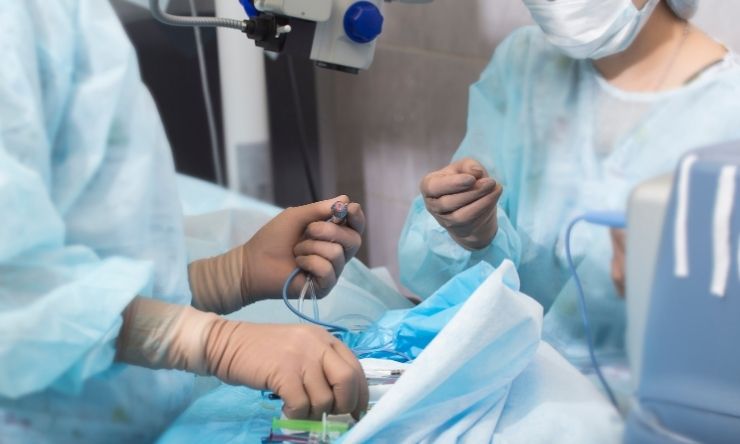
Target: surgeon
{"x":95,"y":289}
{"x":568,"y":117}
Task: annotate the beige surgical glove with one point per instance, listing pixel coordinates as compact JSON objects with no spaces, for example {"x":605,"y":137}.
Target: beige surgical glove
{"x":297,"y":237}
{"x":312,"y":371}
{"x":463,"y":198}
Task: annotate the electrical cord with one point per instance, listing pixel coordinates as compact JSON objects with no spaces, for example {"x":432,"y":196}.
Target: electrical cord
{"x":360,"y":344}
{"x":286,"y":299}
{"x":314,"y":299}
{"x":309,"y":288}
{"x":241,"y":25}
{"x":176,"y":20}
{"x":343,"y":333}
{"x":609,"y":219}
{"x":303,"y":146}
{"x":339,"y":213}
{"x":217,"y":167}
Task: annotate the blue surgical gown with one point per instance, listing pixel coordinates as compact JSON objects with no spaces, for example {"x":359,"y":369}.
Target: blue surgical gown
{"x":90,"y":219}
{"x":563,"y":141}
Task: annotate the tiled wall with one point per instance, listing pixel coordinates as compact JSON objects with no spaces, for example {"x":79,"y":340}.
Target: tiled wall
{"x":383,"y":130}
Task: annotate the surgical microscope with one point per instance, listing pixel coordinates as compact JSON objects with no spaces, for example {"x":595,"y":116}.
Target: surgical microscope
{"x":343,"y":32}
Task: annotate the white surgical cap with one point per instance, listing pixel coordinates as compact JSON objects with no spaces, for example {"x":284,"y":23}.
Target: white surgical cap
{"x":684,"y":8}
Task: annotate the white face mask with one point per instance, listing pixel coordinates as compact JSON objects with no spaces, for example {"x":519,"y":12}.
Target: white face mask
{"x":590,"y":29}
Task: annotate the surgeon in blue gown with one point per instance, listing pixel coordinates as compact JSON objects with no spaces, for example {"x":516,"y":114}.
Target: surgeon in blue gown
{"x":102,"y":320}
{"x":568,"y":117}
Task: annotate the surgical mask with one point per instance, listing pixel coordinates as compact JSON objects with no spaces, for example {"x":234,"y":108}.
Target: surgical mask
{"x":590,"y":29}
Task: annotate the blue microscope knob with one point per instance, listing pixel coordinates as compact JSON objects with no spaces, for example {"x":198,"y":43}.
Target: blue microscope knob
{"x":363,"y":22}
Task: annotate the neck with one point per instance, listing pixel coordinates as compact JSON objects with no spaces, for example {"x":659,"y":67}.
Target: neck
{"x":641,"y":65}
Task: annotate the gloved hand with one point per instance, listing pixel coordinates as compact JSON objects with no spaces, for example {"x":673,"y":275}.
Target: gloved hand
{"x":312,"y":371}
{"x":297,"y":237}
{"x":463,"y":198}
{"x":618,"y":241}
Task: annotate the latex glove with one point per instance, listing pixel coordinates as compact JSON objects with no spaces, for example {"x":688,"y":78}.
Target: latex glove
{"x":463,"y":198}
{"x":618,"y":261}
{"x":297,"y":237}
{"x":312,"y":371}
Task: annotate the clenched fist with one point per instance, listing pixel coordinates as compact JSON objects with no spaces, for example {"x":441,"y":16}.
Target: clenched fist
{"x":463,"y":198}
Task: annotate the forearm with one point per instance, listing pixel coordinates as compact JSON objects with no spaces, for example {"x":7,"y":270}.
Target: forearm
{"x":296,"y":362}
{"x":218,"y":284}
{"x":160,"y":335}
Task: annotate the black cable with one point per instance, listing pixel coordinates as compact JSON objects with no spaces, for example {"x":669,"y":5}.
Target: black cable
{"x":210,"y":114}
{"x":302,"y":131}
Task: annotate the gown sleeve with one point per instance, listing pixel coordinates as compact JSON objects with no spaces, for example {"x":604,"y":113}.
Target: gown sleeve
{"x":60,"y":299}
{"x":428,"y":256}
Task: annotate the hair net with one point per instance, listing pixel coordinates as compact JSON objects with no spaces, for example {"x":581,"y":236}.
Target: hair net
{"x":684,"y":8}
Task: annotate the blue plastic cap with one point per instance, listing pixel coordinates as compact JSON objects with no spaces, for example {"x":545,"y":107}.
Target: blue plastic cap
{"x":363,"y":22}
{"x":614,"y":219}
